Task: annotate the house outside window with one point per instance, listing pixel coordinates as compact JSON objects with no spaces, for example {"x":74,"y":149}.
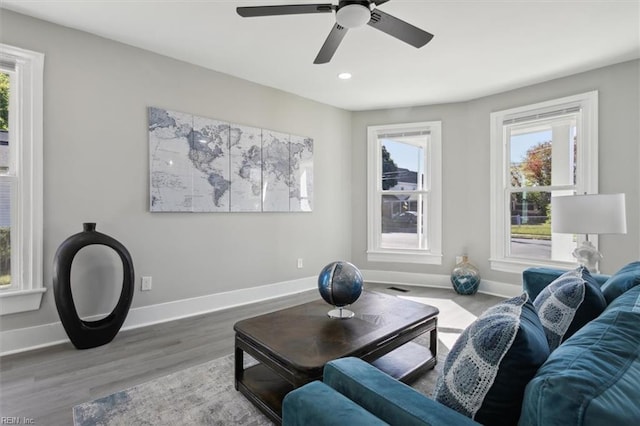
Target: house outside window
{"x":538,"y":152}
{"x":404,"y":194}
{"x":21,"y":106}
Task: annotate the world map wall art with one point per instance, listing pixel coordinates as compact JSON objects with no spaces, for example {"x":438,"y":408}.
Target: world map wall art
{"x":200,"y":164}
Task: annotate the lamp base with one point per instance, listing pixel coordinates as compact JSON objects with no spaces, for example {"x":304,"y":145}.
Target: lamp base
{"x":588,"y":256}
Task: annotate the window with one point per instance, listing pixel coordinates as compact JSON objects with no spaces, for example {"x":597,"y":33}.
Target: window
{"x":21,"y":87}
{"x":404,"y":194}
{"x":539,"y":151}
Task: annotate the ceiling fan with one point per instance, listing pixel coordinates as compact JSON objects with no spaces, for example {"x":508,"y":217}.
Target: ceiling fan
{"x":349,"y":14}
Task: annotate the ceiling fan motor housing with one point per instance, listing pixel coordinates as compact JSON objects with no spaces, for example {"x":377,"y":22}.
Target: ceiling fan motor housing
{"x":353,"y":14}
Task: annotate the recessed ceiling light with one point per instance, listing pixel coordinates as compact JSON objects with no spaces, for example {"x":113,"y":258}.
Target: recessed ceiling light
{"x":344,"y":75}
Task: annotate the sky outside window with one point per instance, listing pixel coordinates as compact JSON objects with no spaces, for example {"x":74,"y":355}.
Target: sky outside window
{"x":405,"y":155}
{"x":520,"y":144}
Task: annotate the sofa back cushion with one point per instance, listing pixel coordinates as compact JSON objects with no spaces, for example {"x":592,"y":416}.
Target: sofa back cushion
{"x":488,"y":367}
{"x":535,"y":279}
{"x":621,"y":281}
{"x":592,"y":378}
{"x":567,"y":304}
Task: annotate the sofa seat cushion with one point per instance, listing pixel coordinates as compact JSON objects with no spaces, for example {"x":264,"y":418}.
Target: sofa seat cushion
{"x":567,"y":304}
{"x":621,"y":281}
{"x":591,"y":379}
{"x":312,"y":403}
{"x":486,"y":371}
{"x":385,"y":397}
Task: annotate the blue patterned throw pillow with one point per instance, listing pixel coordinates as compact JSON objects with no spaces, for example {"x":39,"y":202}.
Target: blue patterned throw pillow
{"x":568,"y":303}
{"x":489,"y":366}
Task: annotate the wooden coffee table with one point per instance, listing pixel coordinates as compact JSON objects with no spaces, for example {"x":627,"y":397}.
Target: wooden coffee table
{"x":293,"y":345}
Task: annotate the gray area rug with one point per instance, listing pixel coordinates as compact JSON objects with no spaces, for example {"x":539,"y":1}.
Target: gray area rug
{"x":199,"y":395}
{"x":205,"y":394}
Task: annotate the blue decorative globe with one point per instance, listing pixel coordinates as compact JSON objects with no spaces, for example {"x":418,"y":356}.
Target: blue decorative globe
{"x":340,"y":283}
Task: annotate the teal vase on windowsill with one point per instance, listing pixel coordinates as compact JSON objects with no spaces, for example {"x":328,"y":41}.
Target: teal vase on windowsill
{"x":465,"y":277}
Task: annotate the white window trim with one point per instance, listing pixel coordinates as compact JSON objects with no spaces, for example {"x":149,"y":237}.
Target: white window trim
{"x":433,"y":176}
{"x":28,"y":157}
{"x":587,"y":180}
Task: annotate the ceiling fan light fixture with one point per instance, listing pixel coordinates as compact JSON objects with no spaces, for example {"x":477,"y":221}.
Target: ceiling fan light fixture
{"x":348,"y":14}
{"x":353,"y":15}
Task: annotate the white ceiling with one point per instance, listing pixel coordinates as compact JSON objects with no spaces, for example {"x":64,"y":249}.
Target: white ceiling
{"x":480,"y":47}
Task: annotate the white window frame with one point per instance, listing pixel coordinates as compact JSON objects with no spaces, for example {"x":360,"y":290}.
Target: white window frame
{"x":26,"y":176}
{"x":586,"y":173}
{"x":432,"y":191}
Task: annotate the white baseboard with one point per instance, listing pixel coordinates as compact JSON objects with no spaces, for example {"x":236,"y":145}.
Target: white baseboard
{"x":23,"y":339}
{"x":494,"y":288}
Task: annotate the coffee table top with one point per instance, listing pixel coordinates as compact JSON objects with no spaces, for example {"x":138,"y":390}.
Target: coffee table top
{"x":306,"y":338}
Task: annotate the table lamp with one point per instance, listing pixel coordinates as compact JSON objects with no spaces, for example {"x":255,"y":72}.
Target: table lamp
{"x":588,"y":214}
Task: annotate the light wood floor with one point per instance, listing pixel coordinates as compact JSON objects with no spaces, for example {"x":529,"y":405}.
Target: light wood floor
{"x":45,"y":384}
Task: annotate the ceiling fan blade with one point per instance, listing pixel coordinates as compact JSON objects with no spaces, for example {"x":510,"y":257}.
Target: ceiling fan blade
{"x":290,"y":9}
{"x":379,"y":2}
{"x":330,"y":44}
{"x":399,"y":29}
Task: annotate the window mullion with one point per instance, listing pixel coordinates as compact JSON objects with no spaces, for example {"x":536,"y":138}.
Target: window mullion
{"x":405,"y":192}
{"x":549,"y":188}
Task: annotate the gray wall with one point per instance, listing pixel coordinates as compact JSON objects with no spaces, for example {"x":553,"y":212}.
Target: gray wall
{"x":96,"y":169}
{"x":466,"y":187}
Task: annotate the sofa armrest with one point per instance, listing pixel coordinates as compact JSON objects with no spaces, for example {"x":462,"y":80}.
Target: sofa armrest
{"x":388,"y":399}
{"x":317,"y":404}
{"x":534,"y":280}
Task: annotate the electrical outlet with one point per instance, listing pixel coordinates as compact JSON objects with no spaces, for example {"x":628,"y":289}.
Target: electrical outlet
{"x":300,"y":263}
{"x":146,"y":284}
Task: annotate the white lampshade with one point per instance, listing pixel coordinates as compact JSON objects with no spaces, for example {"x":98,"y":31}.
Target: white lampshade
{"x":589,"y":214}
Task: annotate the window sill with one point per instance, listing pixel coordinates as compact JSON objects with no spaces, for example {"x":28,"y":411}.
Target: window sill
{"x":516,"y":266}
{"x":21,"y":301}
{"x":404,"y":256}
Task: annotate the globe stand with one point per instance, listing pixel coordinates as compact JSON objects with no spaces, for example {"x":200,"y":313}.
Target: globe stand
{"x":341,"y":313}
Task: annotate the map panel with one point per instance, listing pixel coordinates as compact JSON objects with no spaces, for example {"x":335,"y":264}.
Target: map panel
{"x":171,"y":171}
{"x":199,"y":164}
{"x":301,"y":163}
{"x":246,"y":169}
{"x":275,"y":171}
{"x":209,"y":154}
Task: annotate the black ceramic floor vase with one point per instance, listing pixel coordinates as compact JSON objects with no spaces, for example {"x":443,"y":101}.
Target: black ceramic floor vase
{"x":89,"y":334}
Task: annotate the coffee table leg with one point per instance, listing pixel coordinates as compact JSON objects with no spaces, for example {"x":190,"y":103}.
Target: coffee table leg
{"x":433,"y":342}
{"x":239,"y":365}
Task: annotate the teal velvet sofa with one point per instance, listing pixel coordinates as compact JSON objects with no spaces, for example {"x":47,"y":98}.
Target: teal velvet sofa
{"x":590,"y":379}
